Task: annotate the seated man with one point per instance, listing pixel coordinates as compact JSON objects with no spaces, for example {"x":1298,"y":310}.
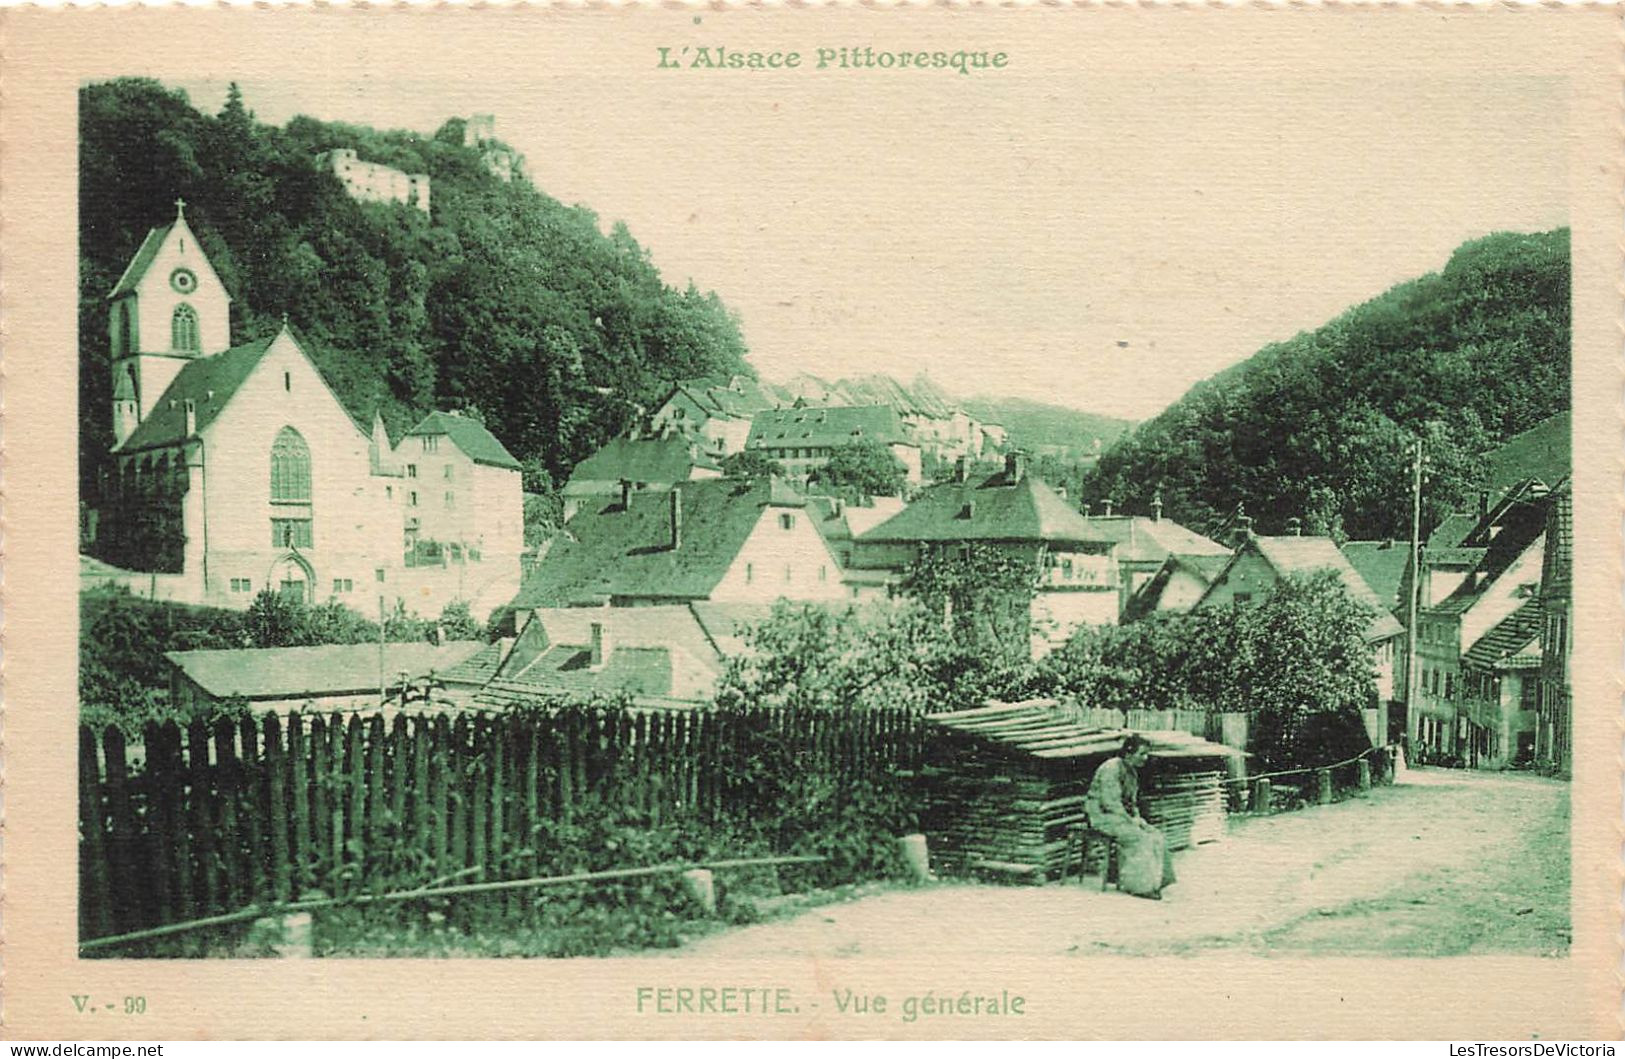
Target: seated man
{"x":1144,"y":865}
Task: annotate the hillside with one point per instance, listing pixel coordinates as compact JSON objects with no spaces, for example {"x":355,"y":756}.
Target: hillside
{"x":1320,"y":426}
{"x":504,"y":302}
{"x":1037,"y":426}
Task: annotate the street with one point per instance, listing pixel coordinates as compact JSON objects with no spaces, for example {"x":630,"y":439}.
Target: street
{"x":1448,"y":863}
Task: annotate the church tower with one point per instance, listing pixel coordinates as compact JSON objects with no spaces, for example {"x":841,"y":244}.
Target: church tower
{"x":169,"y":307}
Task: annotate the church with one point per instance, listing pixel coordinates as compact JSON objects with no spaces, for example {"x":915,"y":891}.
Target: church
{"x":237,"y":469}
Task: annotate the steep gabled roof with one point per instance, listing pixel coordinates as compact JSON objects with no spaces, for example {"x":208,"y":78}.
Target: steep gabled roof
{"x":209,"y":383}
{"x":1294,"y":555}
{"x":1542,"y":453}
{"x":1145,"y":601}
{"x":994,"y":508}
{"x":830,"y":427}
{"x":477,"y":443}
{"x":669,"y":459}
{"x":1508,"y":644}
{"x":1557,"y":569}
{"x":1452,"y":531}
{"x":1516,"y":529}
{"x":1141,"y":539}
{"x":607,"y":551}
{"x":142,"y":261}
{"x":1381,"y":564}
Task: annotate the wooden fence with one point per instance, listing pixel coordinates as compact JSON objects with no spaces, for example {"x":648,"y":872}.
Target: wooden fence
{"x":207,"y":820}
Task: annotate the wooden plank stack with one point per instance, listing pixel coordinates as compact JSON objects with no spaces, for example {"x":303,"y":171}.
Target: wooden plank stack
{"x":1005,"y":786}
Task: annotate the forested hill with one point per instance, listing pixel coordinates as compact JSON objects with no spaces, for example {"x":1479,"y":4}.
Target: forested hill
{"x":1319,"y":426}
{"x":505,"y":301}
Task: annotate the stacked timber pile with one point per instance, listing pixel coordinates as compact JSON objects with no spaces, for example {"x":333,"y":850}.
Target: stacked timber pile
{"x":1005,"y":786}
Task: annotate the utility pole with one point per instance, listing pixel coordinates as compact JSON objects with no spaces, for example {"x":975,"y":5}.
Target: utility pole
{"x":1412,"y":713}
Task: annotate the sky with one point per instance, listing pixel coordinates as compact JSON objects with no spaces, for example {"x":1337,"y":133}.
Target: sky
{"x":1102,"y":242}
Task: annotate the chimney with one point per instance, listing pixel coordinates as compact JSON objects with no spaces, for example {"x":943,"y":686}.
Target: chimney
{"x":626,"y":494}
{"x":1015,"y":467}
{"x":1106,"y":508}
{"x":962,"y":469}
{"x":1156,"y":507}
{"x":1244,"y":527}
{"x":1483,"y":505}
{"x":676,"y":519}
{"x":1294,"y":526}
{"x":191,"y":419}
{"x":601,"y":645}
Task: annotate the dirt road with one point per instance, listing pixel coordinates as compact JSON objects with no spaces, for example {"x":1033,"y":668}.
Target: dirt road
{"x":1448,"y":863}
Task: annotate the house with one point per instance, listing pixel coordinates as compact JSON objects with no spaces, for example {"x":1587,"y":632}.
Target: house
{"x":328,"y":677}
{"x":1077,"y":580}
{"x":1260,"y":562}
{"x":657,"y":655}
{"x":654,"y":464}
{"x":372,"y":182}
{"x":1177,"y":585}
{"x":717,"y":539}
{"x":1466,"y":707}
{"x":1144,"y":545}
{"x":867,"y":570}
{"x":1381,"y":565}
{"x":801,"y":440}
{"x":237,"y":469}
{"x":715,"y":416}
{"x":1554,"y":703}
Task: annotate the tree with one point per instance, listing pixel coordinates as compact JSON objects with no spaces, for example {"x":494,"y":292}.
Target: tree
{"x":457,"y":622}
{"x":811,"y":657}
{"x":274,"y":620}
{"x":750,"y":463}
{"x":982,"y":595}
{"x":864,"y":467}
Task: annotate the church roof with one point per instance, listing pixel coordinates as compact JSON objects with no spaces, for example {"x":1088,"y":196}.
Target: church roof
{"x":141,"y":261}
{"x":207,"y":382}
{"x":477,"y":443}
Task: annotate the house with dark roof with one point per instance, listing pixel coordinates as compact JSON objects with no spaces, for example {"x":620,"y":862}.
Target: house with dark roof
{"x":1075,"y":566}
{"x":1542,"y":454}
{"x":236,"y":470}
{"x":1476,"y":670}
{"x":803,"y":439}
{"x":1381,"y":564}
{"x":712,"y":413}
{"x":639,"y":464}
{"x":868,"y":571}
{"x":720,"y":539}
{"x":1259,"y":562}
{"x":463,"y":490}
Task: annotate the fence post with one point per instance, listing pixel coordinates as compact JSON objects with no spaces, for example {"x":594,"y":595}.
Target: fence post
{"x":251,"y":790}
{"x":202,"y":822}
{"x":702,"y":889}
{"x":1323,"y":776}
{"x":299,"y":787}
{"x":281,"y":885}
{"x":1365,"y":774}
{"x":95,"y":913}
{"x":1261,"y":795}
{"x":226,"y":777}
{"x":163,"y":786}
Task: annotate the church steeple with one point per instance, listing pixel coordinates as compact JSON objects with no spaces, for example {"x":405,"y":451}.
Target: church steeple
{"x":168,"y":307}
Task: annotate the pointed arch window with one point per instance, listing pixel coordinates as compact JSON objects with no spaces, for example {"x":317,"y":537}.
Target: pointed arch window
{"x":183,"y":329}
{"x":290,"y":468}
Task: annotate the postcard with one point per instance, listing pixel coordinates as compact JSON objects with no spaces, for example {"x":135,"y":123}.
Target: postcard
{"x":812,"y":522}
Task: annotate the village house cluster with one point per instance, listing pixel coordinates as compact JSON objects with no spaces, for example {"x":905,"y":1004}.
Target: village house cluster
{"x":236,"y":469}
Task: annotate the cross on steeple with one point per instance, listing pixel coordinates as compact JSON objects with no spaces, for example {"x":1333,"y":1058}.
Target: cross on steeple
{"x":180,"y":207}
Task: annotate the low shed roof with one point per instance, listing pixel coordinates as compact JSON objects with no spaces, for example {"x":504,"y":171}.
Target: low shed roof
{"x":1043,"y":728}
